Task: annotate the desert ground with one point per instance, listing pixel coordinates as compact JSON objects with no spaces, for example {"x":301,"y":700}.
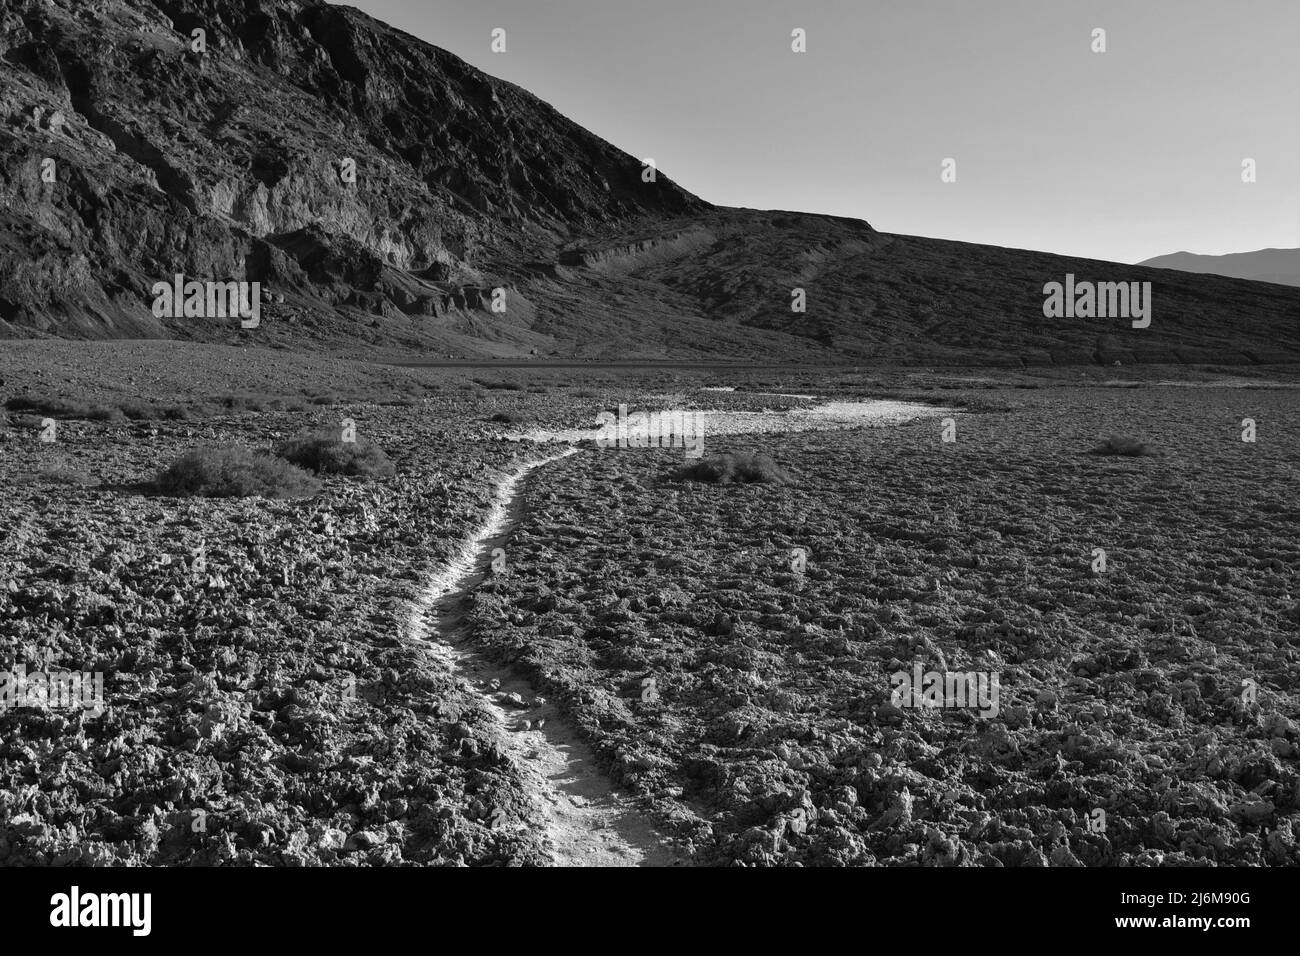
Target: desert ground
{"x":341,"y":676}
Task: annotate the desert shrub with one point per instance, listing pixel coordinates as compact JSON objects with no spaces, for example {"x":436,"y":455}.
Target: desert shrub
{"x":49,"y":407}
{"x":325,"y":451}
{"x":505,"y":418}
{"x":64,"y":475}
{"x":500,"y":386}
{"x":58,"y":408}
{"x":327,"y":398}
{"x":240,"y":402}
{"x":232,"y":471}
{"x":1120,"y":445}
{"x":137,"y":412}
{"x":728,"y":469}
{"x":141,"y":412}
{"x":252,"y":402}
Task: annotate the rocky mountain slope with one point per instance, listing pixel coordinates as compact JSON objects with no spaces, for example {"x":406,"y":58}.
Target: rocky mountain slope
{"x":236,"y":161}
{"x":1262,"y":265}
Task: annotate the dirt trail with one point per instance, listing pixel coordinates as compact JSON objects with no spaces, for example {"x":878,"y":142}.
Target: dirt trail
{"x":586,"y":822}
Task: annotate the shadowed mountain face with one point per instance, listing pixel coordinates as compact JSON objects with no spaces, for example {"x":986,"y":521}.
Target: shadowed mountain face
{"x":235,"y":163}
{"x":1263,"y":265}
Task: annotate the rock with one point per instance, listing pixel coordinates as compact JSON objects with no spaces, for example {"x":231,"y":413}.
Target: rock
{"x":898,"y":814}
{"x":889,"y":712}
{"x":1063,"y":856}
{"x":797,"y":822}
{"x":1253,"y":812}
{"x":364,"y":840}
{"x":848,"y":796}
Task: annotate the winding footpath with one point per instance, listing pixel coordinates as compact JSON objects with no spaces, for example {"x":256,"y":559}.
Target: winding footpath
{"x":585,"y":821}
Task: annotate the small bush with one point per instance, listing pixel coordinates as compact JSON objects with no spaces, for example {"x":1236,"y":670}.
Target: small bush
{"x":727,"y":469}
{"x":49,"y":407}
{"x":58,"y":408}
{"x":64,"y":475}
{"x":234,"y":472}
{"x":325,"y":451}
{"x":251,"y":402}
{"x":1119,"y":445}
{"x":500,"y":386}
{"x":138,"y":412}
{"x":505,"y":418}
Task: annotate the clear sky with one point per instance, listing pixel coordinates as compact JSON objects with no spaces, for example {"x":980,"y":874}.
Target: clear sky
{"x":1121,"y":155}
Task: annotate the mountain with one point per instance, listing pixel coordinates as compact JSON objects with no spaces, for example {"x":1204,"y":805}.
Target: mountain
{"x":1280,"y":266}
{"x":232,"y":162}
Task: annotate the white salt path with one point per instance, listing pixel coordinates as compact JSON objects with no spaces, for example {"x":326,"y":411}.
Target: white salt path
{"x":585,"y":821}
{"x":827,"y":416}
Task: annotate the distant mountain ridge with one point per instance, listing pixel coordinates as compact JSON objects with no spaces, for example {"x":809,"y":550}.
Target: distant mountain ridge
{"x":1280,"y":266}
{"x":129,"y":155}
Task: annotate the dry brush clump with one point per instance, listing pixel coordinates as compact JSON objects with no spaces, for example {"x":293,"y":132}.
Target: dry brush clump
{"x":148,"y":413}
{"x":63,"y":408}
{"x":325,"y":452}
{"x":742,"y":468}
{"x":232,"y":471}
{"x":102,"y":412}
{"x":498,"y":386}
{"x":254,"y":402}
{"x":1123,"y":445}
{"x":64,"y":474}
